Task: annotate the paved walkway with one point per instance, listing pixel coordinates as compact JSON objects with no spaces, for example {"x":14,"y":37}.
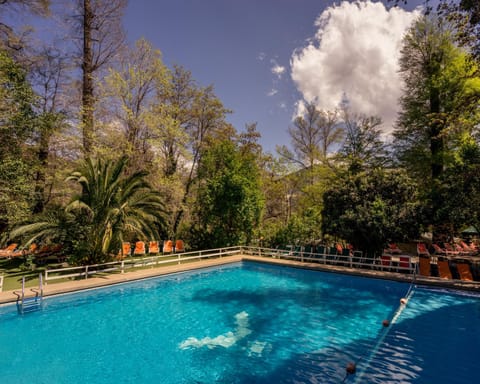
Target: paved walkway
{"x":105,"y":280}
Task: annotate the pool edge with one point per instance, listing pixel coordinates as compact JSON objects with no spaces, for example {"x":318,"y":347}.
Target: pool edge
{"x":8,"y":297}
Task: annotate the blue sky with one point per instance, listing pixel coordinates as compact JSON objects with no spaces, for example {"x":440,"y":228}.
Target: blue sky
{"x":250,"y":49}
{"x":265,"y":58}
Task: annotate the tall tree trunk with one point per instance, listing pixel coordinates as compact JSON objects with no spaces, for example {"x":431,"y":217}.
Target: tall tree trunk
{"x":87,"y":85}
{"x":436,"y":152}
{"x":40,"y":179}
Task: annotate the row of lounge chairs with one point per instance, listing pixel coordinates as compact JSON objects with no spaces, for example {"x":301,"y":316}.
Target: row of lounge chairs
{"x":141,"y":248}
{"x":445,"y":269}
{"x":39,"y":252}
{"x":447,"y":261}
{"x":456,"y":249}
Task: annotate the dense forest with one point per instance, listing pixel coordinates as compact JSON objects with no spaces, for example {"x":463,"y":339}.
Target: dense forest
{"x":103,"y":143}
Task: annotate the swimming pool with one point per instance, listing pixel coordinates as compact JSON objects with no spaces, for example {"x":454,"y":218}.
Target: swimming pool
{"x":244,"y":323}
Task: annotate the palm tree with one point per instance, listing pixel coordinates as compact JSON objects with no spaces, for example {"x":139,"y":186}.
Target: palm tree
{"x":109,"y":206}
{"x":113,"y":205}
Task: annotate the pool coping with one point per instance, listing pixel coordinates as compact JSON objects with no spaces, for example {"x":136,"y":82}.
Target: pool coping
{"x":8,"y":297}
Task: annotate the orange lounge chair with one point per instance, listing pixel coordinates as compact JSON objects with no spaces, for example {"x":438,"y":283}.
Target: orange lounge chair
{"x":464,"y":271}
{"x":48,"y":250}
{"x":393,"y":248}
{"x":339,"y":248}
{"x":466,"y":248}
{"x":31,"y":249}
{"x":444,"y":269}
{"x":459,"y":249}
{"x":422,"y":250}
{"x":139,"y":248}
{"x":153,"y":247}
{"x":439,"y":250}
{"x":126,"y":249}
{"x":7,"y":252}
{"x":179,"y":246}
{"x":450,"y":250}
{"x":424,"y":265}
{"x":167,"y":246}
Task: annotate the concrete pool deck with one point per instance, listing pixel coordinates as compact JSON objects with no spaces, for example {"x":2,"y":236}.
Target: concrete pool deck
{"x":117,"y":278}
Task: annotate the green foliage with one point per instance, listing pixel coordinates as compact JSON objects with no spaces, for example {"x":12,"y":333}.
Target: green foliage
{"x":110,"y":206}
{"x":368,"y":209}
{"x":16,"y":191}
{"x":363,"y":147}
{"x":16,"y":112}
{"x":440,"y":101}
{"x":229,"y":202}
{"x":114,"y":205}
{"x":456,"y":197}
{"x":300,"y":229}
{"x":55,"y":226}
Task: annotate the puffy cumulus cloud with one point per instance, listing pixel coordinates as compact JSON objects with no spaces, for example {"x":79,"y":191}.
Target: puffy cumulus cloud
{"x":354,"y":55}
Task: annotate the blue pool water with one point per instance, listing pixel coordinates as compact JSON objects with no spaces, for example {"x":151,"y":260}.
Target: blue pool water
{"x":245,"y":323}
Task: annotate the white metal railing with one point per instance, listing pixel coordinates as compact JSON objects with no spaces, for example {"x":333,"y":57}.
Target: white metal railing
{"x":355,"y":260}
{"x":1,"y":283}
{"x":137,"y":262}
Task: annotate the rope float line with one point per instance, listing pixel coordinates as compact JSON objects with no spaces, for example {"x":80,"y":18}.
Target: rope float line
{"x":351,"y":367}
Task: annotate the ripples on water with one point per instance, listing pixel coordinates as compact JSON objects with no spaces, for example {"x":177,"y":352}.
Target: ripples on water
{"x":250,"y":324}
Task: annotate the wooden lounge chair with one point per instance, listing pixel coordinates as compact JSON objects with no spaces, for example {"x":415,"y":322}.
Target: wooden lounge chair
{"x":444,"y":269}
{"x":424,"y":266}
{"x":139,"y":248}
{"x":153,"y":248}
{"x":179,"y":246}
{"x":464,"y":271}
{"x":167,"y":246}
{"x":422,"y":250}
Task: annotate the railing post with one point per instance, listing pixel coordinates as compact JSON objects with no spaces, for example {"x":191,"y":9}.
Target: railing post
{"x":122,"y":266}
{"x":40,"y":283}
{"x":23,"y":288}
{"x":86,"y":272}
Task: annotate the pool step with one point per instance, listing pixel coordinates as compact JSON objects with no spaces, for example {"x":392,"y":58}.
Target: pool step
{"x":30,"y":304}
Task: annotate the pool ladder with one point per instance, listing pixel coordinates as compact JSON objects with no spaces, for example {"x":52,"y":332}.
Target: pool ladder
{"x":30,"y":304}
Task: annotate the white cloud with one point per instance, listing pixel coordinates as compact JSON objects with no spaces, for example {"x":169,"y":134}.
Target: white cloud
{"x":277,"y":69}
{"x":354,"y":53}
{"x":272,"y":92}
{"x":261,"y":56}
